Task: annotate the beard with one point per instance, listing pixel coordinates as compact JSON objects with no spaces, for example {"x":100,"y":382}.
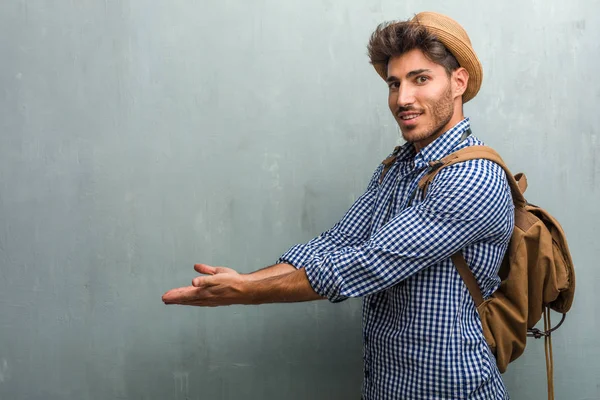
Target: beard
{"x":441,"y":113}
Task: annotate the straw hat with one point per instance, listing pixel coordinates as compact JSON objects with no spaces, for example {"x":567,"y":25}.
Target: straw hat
{"x":456,"y":40}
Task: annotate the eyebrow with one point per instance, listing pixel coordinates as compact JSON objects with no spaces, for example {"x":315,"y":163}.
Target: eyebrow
{"x":410,"y":74}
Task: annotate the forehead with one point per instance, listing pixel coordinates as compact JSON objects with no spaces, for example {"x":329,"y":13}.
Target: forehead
{"x":400,"y":66}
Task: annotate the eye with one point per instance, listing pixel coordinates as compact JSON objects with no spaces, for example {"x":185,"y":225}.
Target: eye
{"x":422,"y":79}
{"x":394,"y":85}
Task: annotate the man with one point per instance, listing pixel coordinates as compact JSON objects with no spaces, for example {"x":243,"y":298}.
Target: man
{"x":422,"y":334}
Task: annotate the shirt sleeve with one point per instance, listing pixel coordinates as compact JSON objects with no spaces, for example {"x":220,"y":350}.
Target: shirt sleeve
{"x":354,"y":228}
{"x":466,"y":203}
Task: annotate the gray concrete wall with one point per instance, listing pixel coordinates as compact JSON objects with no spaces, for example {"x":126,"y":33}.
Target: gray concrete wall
{"x":137,"y":138}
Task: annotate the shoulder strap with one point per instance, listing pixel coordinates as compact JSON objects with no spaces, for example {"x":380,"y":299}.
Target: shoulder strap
{"x":388,"y":162}
{"x":472,"y":153}
{"x":467,"y":276}
{"x":518,"y":185}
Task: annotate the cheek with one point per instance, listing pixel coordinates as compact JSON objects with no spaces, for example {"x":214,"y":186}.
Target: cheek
{"x":426,"y":100}
{"x":434,"y":94}
{"x":392,"y":100}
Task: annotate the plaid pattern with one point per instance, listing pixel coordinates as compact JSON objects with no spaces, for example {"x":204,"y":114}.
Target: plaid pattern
{"x":421,"y":332}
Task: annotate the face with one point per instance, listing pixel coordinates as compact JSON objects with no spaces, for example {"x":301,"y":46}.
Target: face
{"x":424,"y":100}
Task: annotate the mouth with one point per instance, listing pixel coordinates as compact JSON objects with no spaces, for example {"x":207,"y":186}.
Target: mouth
{"x":408,"y":118}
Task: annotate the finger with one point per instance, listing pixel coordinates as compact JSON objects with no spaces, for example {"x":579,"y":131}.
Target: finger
{"x":225,"y":270}
{"x":203,"y":281}
{"x":182,"y":295}
{"x":199,"y":281}
{"x":205,"y":269}
{"x":171,"y":296}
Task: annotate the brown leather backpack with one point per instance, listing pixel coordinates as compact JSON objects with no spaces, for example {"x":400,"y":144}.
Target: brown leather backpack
{"x":536,"y":274}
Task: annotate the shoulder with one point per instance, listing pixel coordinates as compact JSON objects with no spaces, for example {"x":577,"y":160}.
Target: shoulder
{"x":477,"y":185}
{"x":474,"y":172}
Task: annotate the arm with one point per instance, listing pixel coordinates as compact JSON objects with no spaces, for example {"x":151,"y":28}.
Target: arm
{"x":280,"y":282}
{"x":466,"y":203}
{"x":227,"y":287}
{"x":273,"y":270}
{"x":287,"y":288}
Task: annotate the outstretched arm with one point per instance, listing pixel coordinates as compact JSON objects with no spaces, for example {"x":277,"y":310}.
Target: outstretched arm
{"x":281,"y":282}
{"x":227,"y":287}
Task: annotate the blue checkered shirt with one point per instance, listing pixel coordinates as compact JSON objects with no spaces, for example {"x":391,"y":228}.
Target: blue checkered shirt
{"x":421,"y":332}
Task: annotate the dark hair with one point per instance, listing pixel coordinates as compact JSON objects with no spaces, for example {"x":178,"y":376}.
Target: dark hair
{"x":396,"y":38}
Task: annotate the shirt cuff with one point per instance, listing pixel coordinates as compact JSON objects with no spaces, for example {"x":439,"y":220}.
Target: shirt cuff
{"x":324,"y":280}
{"x":297,"y":256}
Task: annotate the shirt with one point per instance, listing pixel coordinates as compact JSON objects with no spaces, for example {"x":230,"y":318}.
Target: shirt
{"x":422,"y":336}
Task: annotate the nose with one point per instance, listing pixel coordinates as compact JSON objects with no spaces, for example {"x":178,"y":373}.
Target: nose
{"x":406,"y":96}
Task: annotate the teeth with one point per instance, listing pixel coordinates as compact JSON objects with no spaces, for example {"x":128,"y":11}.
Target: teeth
{"x":411,"y":116}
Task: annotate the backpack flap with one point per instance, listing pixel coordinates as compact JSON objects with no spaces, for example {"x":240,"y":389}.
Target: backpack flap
{"x":560,"y":289}
{"x":529,"y":273}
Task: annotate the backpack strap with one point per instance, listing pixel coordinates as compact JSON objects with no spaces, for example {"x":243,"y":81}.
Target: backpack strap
{"x":548,"y":351}
{"x":518,"y":185}
{"x":521,"y":181}
{"x":388,"y":162}
{"x":467,"y":276}
{"x":472,"y":153}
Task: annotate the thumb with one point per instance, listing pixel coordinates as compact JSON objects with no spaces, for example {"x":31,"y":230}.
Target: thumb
{"x":205,"y":269}
{"x":202,"y":281}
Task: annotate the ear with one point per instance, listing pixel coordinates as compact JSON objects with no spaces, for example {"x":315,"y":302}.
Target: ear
{"x":460,"y":80}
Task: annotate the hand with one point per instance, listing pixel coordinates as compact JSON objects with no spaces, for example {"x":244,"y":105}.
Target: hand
{"x":219,"y":287}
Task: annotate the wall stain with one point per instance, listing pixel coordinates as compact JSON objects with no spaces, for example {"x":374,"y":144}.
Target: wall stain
{"x":4,"y":375}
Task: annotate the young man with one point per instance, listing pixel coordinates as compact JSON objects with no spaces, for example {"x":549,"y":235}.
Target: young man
{"x":422,"y":334}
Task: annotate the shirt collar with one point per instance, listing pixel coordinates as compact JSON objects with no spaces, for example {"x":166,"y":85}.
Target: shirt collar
{"x":443,"y":145}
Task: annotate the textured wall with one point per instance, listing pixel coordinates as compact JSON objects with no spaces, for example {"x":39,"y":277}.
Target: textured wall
{"x":138,"y":139}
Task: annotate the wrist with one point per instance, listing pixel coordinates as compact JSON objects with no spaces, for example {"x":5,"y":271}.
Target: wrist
{"x":250,"y":277}
{"x":251,"y":290}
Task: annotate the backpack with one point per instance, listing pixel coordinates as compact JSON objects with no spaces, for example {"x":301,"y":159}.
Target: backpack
{"x":536,"y":273}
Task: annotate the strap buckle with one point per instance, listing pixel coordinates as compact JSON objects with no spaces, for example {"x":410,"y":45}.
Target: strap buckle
{"x":434,"y":166}
{"x":538,"y":334}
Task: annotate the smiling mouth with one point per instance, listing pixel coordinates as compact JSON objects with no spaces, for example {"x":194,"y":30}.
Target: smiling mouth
{"x":409,"y":117}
